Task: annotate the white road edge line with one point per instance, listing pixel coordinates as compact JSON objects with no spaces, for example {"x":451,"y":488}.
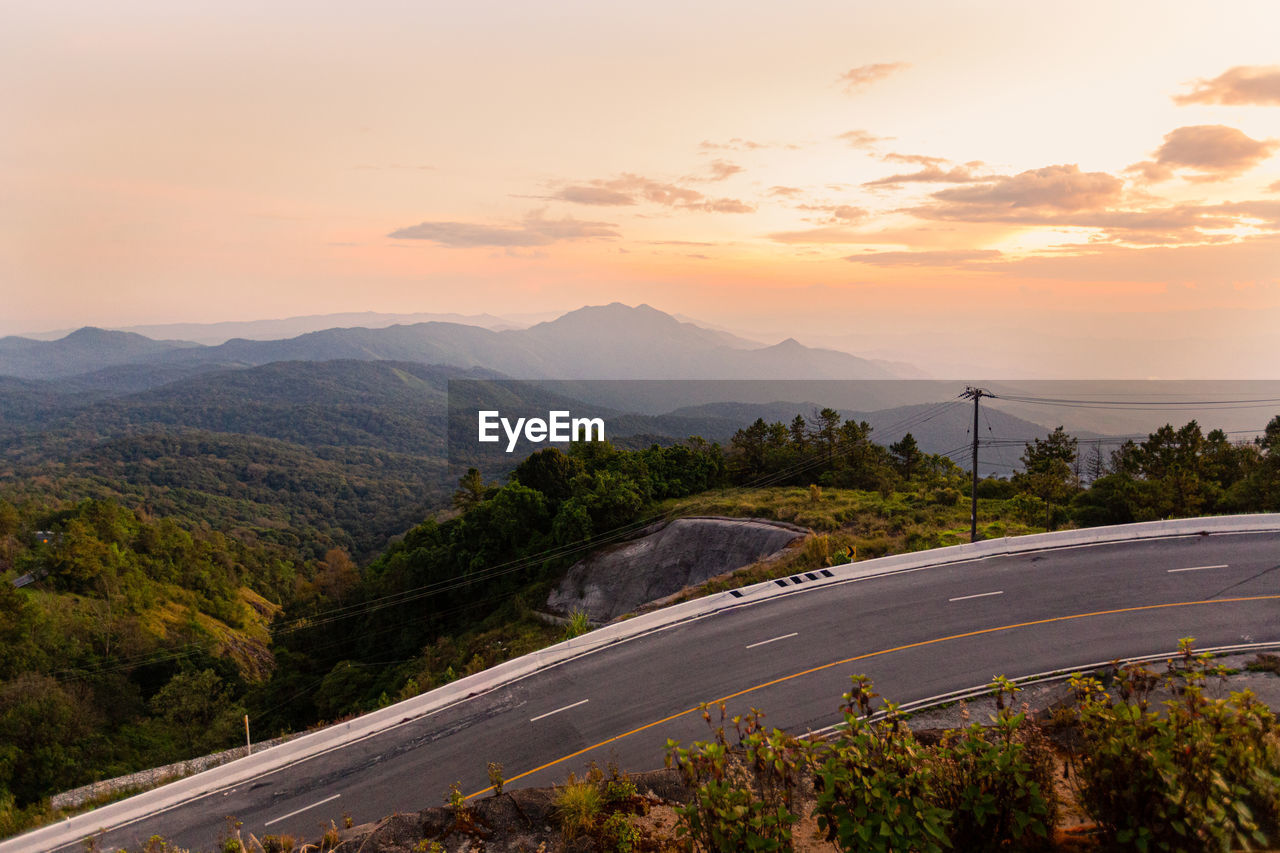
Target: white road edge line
{"x":775,"y":639}
{"x":979,"y":595}
{"x":301,"y":810}
{"x":1197,"y":568}
{"x":558,"y":710}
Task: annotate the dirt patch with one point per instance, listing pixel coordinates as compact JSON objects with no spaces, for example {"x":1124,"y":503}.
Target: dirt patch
{"x":520,"y":821}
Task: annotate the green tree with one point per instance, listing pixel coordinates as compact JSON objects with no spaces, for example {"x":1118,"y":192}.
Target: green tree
{"x":471,"y":489}
{"x":907,"y":456}
{"x":549,"y":471}
{"x":825,"y":433}
{"x":1048,"y":471}
{"x":44,"y":730}
{"x":10,"y":521}
{"x":747,"y":450}
{"x":21,"y":634}
{"x":799,"y":432}
{"x":199,"y":706}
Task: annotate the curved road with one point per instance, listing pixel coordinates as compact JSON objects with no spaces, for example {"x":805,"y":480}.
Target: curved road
{"x":917,"y":633}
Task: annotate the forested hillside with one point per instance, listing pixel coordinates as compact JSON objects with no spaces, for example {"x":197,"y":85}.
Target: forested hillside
{"x":135,"y":646}
{"x":308,"y":455}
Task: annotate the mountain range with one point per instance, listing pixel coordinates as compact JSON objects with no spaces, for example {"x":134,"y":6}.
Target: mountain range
{"x":599,"y":342}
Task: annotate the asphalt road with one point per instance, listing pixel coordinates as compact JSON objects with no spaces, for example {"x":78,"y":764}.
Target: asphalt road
{"x":917,"y":634}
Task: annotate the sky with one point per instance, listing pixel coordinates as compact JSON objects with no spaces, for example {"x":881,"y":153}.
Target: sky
{"x":1026,"y":188}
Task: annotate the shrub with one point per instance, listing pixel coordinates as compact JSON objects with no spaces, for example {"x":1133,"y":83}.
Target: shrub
{"x":496,"y":779}
{"x":578,"y":806}
{"x":876,"y":788}
{"x":463,"y":817}
{"x":997,"y":783}
{"x":1028,"y":509}
{"x":618,"y":788}
{"x":618,"y":834}
{"x":1204,"y":775}
{"x":947,"y":496}
{"x":278,"y":843}
{"x":816,"y":552}
{"x":742,"y":798}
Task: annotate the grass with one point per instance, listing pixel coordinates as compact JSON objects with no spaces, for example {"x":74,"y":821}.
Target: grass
{"x":868,"y":514}
{"x":869,"y":523}
{"x":578,"y":807}
{"x":578,"y":625}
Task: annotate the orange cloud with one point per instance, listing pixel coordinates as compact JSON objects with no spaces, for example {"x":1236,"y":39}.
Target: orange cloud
{"x":648,"y":189}
{"x":1037,"y":194}
{"x":1245,"y":84}
{"x":725,"y":205}
{"x":861,"y":138}
{"x":721,"y":169}
{"x":914,"y":159}
{"x":838,"y":213}
{"x":1265,"y":213}
{"x":631,"y":189}
{"x":859,"y":78}
{"x":534,"y":231}
{"x":837,"y":234}
{"x":735,"y":144}
{"x":1063,"y":196}
{"x":931,"y":173}
{"x":1204,"y":152}
{"x":939,"y":258}
{"x":594,"y":195}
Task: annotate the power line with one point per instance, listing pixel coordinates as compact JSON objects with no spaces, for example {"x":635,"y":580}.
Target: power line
{"x":1141,"y":405}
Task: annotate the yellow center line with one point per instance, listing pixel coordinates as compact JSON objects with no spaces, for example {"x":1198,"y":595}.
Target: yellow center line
{"x":915,"y":645}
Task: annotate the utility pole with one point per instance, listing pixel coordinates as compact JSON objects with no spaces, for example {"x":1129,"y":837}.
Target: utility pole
{"x":975,"y":394}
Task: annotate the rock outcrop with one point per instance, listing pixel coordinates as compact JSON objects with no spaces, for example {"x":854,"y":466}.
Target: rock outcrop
{"x":665,"y":559}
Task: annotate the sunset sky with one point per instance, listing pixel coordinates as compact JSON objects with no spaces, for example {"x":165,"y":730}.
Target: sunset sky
{"x":1090,"y":189}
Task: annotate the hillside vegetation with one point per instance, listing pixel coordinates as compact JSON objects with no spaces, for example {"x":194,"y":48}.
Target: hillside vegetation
{"x":307,"y":456}
{"x":137,"y":646}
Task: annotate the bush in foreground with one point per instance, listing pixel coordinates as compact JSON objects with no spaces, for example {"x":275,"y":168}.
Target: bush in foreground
{"x":1202,"y":774}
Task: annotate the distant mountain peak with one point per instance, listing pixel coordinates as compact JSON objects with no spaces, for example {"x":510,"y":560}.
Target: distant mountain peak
{"x":98,"y":336}
{"x":615,"y":317}
{"x":97,"y":333}
{"x":615,"y":309}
